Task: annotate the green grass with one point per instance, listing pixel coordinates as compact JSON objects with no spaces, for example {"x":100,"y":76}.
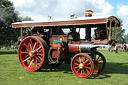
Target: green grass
{"x":12,"y":73}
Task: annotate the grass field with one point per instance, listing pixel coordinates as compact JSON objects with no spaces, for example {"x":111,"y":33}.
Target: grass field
{"x":12,"y":73}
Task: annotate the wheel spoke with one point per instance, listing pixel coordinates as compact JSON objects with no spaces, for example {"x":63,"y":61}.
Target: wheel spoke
{"x":37,"y":58}
{"x":38,"y":49}
{"x":77,"y":60}
{"x":87,"y":67}
{"x":35,"y":62}
{"x":26,"y":56}
{"x":37,"y":45}
{"x":96,"y":67}
{"x":100,"y":59}
{"x":28,"y":49}
{"x":88,"y":63}
{"x":78,"y":70}
{"x":77,"y":67}
{"x":76,"y":64}
{"x":97,"y":59}
{"x":99,"y":66}
{"x":31,"y":43}
{"x":24,"y":52}
{"x":83,"y":59}
{"x":39,"y":54}
{"x":26,"y":59}
{"x":85,"y":62}
{"x":30,"y":46}
{"x":30,"y":60}
{"x":40,"y":58}
{"x":87,"y":70}
{"x":100,"y":63}
{"x":30,"y":63}
{"x":34,"y":45}
{"x":80,"y":59}
{"x":83,"y":71}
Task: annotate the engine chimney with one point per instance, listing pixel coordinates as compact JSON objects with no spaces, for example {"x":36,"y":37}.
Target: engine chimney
{"x":88,"y":13}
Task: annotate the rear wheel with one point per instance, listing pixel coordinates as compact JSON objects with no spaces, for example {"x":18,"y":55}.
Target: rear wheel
{"x":99,"y":62}
{"x":32,"y":53}
{"x":82,"y":65}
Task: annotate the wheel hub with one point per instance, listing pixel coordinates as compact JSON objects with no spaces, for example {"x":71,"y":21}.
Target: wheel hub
{"x":81,"y":66}
{"x":31,"y":53}
{"x":95,"y":62}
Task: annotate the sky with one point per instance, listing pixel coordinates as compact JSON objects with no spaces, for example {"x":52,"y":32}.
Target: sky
{"x":41,"y":9}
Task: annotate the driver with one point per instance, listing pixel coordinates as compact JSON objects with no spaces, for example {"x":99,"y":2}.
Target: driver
{"x":57,"y":31}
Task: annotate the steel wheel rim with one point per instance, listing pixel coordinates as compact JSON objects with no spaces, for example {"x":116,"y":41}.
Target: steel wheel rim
{"x":81,"y":66}
{"x":31,"y":53}
{"x":98,"y":63}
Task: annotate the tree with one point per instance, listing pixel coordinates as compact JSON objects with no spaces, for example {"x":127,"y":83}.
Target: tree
{"x":8,"y":15}
{"x":126,"y":38}
{"x":26,"y":19}
{"x":120,"y":33}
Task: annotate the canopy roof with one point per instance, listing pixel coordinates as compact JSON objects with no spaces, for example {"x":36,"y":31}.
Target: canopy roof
{"x":81,"y":21}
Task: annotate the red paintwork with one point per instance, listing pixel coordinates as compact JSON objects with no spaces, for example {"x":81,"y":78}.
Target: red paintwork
{"x":58,"y":37}
{"x":100,"y":41}
{"x":54,"y":54}
{"x":64,"y":50}
{"x":56,"y":45}
{"x":36,"y":34}
{"x":74,"y":47}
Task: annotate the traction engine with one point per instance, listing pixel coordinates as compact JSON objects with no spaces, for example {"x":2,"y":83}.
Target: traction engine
{"x":36,"y":52}
{"x":50,"y":46}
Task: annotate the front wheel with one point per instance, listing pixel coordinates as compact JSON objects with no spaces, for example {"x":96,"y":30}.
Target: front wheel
{"x":82,"y":65}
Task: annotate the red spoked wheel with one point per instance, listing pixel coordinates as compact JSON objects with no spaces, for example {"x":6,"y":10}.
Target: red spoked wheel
{"x":32,"y":53}
{"x":82,"y":65}
{"x":99,"y":62}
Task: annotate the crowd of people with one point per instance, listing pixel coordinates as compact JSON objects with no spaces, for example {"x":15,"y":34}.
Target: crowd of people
{"x":116,"y":48}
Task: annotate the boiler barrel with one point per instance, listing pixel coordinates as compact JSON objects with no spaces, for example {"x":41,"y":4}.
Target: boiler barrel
{"x":81,"y":47}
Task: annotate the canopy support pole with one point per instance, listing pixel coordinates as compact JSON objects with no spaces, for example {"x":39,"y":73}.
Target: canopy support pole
{"x":115,"y":30}
{"x":21,"y":31}
{"x":107,"y":30}
{"x":88,"y":33}
{"x":110,"y":30}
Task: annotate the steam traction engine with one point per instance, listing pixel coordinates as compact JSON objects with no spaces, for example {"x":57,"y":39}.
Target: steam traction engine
{"x":50,"y":46}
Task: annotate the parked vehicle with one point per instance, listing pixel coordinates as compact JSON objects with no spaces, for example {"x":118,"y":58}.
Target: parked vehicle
{"x":49,"y":45}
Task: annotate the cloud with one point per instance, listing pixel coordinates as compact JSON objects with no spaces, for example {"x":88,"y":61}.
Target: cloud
{"x":104,"y":7}
{"x":40,"y":9}
{"x":122,"y":10}
{"x":125,"y":25}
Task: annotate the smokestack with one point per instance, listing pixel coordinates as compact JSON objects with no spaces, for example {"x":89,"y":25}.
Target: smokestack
{"x":88,"y":13}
